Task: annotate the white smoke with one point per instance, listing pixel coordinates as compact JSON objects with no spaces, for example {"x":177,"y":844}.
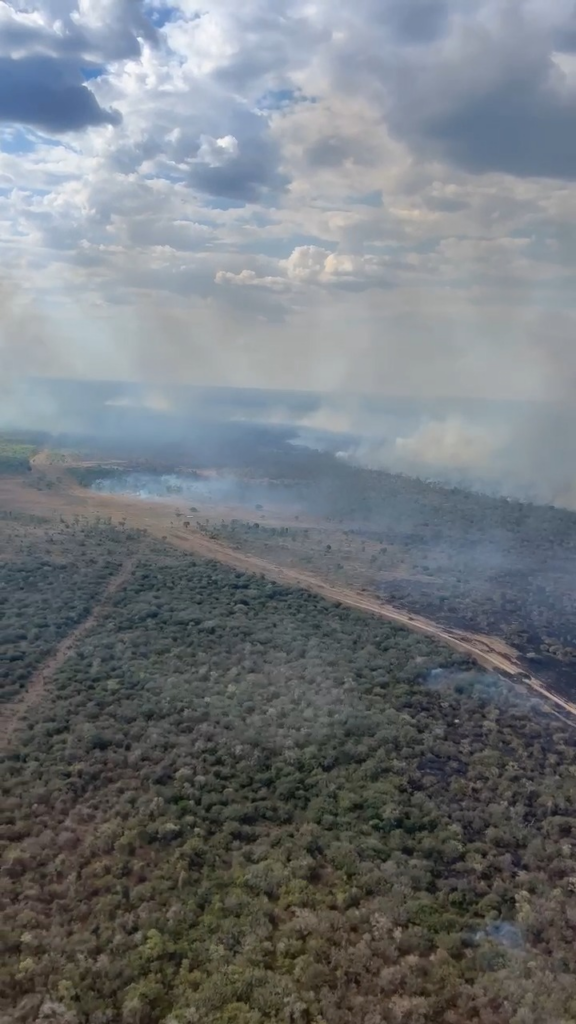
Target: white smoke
{"x":335,"y":421}
{"x":154,"y":401}
{"x":459,"y":452}
{"x":450,"y":443}
{"x":442,"y":444}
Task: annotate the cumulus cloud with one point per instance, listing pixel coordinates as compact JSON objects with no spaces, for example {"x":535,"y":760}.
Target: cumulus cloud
{"x":486,"y":94}
{"x":249,"y":278}
{"x":313,"y":265}
{"x":46,"y":56}
{"x":371,"y":196}
{"x":49,"y":93}
{"x":244,"y":171}
{"x":94,"y":30}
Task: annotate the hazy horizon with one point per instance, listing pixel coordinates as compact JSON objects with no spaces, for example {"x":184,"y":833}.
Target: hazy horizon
{"x":372,"y":202}
{"x":520,"y":449}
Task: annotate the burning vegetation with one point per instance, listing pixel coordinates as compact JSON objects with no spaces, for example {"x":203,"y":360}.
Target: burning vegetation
{"x":272,"y":806}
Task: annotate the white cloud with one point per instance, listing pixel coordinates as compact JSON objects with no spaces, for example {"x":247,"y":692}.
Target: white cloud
{"x":377,"y":195}
{"x":250,"y":278}
{"x":313,"y":265}
{"x":217,"y":152}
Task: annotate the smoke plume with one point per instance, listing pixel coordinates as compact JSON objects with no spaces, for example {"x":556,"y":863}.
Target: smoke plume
{"x":448,"y":443}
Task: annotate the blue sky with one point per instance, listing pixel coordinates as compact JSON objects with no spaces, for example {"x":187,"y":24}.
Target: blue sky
{"x":375,"y":196}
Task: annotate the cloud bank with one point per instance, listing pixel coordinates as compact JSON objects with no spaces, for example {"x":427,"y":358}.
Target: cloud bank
{"x":378,"y":196}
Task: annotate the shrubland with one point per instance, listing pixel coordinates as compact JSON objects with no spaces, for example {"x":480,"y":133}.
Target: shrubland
{"x":469,"y":560}
{"x":15,"y":456}
{"x":465,"y":559}
{"x":49,"y":581}
{"x":240,"y":804}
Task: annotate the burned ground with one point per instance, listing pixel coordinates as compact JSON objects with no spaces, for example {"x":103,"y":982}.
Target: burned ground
{"x":466,"y":561}
{"x":469,"y":562}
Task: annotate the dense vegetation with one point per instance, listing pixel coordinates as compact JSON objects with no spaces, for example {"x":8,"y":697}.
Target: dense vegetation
{"x":241,"y":805}
{"x":472,"y":560}
{"x":49,"y":581}
{"x":490,"y":564}
{"x":15,"y":455}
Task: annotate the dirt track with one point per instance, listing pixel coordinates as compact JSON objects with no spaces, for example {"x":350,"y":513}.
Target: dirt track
{"x":158,"y":519}
{"x":11,"y":714}
{"x":489,"y":652}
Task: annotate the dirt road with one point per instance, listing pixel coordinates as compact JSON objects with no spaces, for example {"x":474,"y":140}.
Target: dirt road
{"x":489,"y":652}
{"x":11,"y":715}
{"x":158,"y":518}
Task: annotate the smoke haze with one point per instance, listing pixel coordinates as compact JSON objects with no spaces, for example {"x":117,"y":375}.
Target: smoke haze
{"x":346,"y":201}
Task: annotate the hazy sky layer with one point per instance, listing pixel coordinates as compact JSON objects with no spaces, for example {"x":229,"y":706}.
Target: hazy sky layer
{"x":342,"y":194}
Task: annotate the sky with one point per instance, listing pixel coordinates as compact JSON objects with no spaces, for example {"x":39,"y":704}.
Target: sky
{"x":377,"y":195}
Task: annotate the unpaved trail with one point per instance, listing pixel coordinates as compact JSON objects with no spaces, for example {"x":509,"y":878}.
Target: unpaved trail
{"x":11,"y":714}
{"x":156,"y":517}
{"x":489,"y":652}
